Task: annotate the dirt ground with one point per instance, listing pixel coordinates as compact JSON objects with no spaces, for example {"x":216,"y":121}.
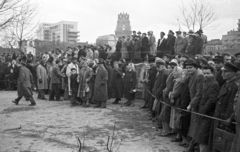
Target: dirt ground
{"x":56,"y":127}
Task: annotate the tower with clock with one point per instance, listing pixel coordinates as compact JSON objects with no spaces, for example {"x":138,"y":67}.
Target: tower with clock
{"x":123,"y":25}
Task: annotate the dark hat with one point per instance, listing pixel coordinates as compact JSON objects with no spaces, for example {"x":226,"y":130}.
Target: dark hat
{"x":237,"y":64}
{"x":144,"y":34}
{"x":178,"y":32}
{"x":159,"y":61}
{"x":134,"y":31}
{"x":151,"y":59}
{"x":204,"y":61}
{"x":191,"y":62}
{"x":230,"y":67}
{"x":23,"y":59}
{"x":139,"y":32}
{"x":171,"y":31}
{"x":73,"y":69}
{"x":122,"y":60}
{"x":185,"y":56}
{"x":190,"y":32}
{"x":218,"y":59}
{"x":163,"y":33}
{"x":237,"y":54}
{"x":200,"y":31}
{"x":100,"y":61}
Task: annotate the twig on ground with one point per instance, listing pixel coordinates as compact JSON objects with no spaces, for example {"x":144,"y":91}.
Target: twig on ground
{"x":20,"y":127}
{"x":80,"y":145}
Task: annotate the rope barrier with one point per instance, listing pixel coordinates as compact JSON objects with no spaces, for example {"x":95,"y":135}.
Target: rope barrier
{"x":196,"y":113}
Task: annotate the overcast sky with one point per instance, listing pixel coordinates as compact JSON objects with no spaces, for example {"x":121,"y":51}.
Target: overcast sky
{"x":99,"y":17}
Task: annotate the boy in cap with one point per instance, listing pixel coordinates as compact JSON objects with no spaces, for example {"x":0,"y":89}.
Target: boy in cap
{"x":74,"y":86}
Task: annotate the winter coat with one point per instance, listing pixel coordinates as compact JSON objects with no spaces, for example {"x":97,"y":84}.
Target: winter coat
{"x":206,"y":107}
{"x":124,"y":51}
{"x":42,"y":75}
{"x":130,"y":82}
{"x":56,"y":75}
{"x":170,"y":44}
{"x":117,"y":83}
{"x":25,"y":81}
{"x":195,"y":86}
{"x":180,"y":45}
{"x":145,"y":47}
{"x":152,"y":45}
{"x":136,"y":50}
{"x":85,"y":75}
{"x":100,"y":86}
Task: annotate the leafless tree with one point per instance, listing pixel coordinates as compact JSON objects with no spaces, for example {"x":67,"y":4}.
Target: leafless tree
{"x":8,"y":11}
{"x":24,"y":25}
{"x":198,"y":14}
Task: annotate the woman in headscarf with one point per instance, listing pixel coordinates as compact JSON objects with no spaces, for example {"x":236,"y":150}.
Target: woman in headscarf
{"x":130,"y":82}
{"x":84,"y":78}
{"x":117,"y":82}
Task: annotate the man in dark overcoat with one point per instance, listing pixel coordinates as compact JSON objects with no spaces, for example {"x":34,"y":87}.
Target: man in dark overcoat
{"x":100,"y":86}
{"x":223,"y":131}
{"x":206,"y":107}
{"x":196,"y":80}
{"x":24,"y":83}
{"x":170,"y":42}
{"x":159,"y":86}
{"x":145,"y":47}
{"x":56,"y":76}
{"x":161,"y":45}
{"x":236,"y":141}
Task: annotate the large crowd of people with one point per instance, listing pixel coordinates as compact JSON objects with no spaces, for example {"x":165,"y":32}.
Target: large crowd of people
{"x":189,"y":94}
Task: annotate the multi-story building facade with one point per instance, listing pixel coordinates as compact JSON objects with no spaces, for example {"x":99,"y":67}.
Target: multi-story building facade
{"x":63,"y":31}
{"x":43,"y":32}
{"x":232,"y":39}
{"x":214,"y":46}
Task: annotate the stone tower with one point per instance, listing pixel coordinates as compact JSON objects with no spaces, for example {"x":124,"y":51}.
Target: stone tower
{"x":123,"y":25}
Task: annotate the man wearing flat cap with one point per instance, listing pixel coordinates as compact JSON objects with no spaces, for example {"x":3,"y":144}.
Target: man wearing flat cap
{"x":161,"y":45}
{"x":180,"y":44}
{"x":196,"y":80}
{"x":159,"y":86}
{"x":218,"y":60}
{"x":225,"y":108}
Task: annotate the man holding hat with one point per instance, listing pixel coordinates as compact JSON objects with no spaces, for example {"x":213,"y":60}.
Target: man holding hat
{"x":180,"y":44}
{"x":225,"y":108}
{"x":100,"y":86}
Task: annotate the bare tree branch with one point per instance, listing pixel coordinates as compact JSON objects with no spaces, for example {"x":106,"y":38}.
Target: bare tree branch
{"x":197,"y":14}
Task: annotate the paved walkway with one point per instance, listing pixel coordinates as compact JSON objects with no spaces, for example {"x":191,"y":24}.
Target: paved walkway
{"x":55,"y":126}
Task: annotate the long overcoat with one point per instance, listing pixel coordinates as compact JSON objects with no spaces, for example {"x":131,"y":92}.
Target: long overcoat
{"x":42,"y":74}
{"x":206,"y":107}
{"x":130,"y":83}
{"x":136,"y":50}
{"x":117,"y":83}
{"x":195,"y":86}
{"x":24,"y":82}
{"x":236,"y":141}
{"x":100,"y":86}
{"x":124,"y":50}
{"x":180,"y":45}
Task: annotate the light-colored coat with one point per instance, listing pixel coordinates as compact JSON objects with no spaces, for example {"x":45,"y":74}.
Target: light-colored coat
{"x":152,"y":45}
{"x":42,"y":74}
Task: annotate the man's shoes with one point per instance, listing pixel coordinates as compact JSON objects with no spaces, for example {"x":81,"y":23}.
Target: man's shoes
{"x":32,"y":104}
{"x":176,"y":140}
{"x":115,"y":102}
{"x":104,"y":104}
{"x":43,"y":98}
{"x":85,"y":105}
{"x":14,"y":101}
{"x":59,"y":100}
{"x":144,"y":107}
